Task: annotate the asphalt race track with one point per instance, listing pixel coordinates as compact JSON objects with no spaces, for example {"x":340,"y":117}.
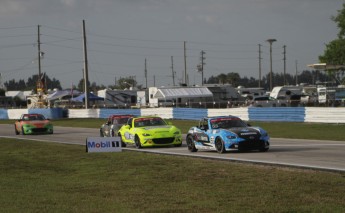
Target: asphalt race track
{"x":312,"y":154}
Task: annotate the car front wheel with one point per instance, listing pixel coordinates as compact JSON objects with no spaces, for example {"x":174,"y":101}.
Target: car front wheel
{"x":123,"y":144}
{"x":23,"y":133}
{"x":220,"y":145}
{"x":190,"y":144}
{"x":15,"y":130}
{"x":263,"y":147}
{"x":137,"y":142}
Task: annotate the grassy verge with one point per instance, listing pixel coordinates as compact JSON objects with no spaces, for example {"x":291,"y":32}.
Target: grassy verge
{"x":45,"y":177}
{"x":319,"y":131}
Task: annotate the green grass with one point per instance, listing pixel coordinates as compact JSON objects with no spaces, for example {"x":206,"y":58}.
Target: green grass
{"x":319,"y":131}
{"x":48,"y":177}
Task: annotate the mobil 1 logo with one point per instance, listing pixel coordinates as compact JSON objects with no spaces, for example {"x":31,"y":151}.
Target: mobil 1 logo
{"x":103,"y":144}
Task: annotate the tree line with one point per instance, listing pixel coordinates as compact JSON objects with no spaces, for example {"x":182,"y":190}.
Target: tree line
{"x":306,"y":77}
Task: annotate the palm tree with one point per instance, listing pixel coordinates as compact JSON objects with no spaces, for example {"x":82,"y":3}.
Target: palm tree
{"x":233,"y":78}
{"x":222,"y":78}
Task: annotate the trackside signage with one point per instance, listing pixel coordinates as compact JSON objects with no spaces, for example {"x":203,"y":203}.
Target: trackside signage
{"x":103,"y":144}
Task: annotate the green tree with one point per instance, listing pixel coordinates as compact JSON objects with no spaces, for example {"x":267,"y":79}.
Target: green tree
{"x":81,"y":85}
{"x":335,"y":50}
{"x":233,"y":78}
{"x":126,"y":83}
{"x":223,"y":78}
{"x":212,"y":80}
{"x":340,"y":20}
{"x":2,"y":92}
{"x":30,"y":84}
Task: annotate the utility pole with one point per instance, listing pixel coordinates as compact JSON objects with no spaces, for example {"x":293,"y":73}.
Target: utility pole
{"x":202,"y":66}
{"x":296,"y":73}
{"x":260,"y":65}
{"x":271,"y":41}
{"x":172,"y":70}
{"x":284,"y":59}
{"x":146,"y":72}
{"x":39,"y":51}
{"x":86,"y":71}
{"x":1,"y":85}
{"x":185,"y":64}
{"x":40,"y":85}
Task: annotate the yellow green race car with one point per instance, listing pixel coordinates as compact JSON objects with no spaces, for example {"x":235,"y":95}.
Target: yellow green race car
{"x":148,"y":131}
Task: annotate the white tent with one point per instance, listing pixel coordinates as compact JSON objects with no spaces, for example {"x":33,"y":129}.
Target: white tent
{"x":182,"y":92}
{"x":20,"y":94}
{"x":62,"y":93}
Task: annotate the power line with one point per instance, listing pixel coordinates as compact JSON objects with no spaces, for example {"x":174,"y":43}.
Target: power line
{"x":12,"y":28}
{"x":17,"y":36}
{"x":60,"y":29}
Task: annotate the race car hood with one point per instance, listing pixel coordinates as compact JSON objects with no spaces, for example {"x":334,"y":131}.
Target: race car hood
{"x":38,"y":124}
{"x":158,"y":129}
{"x":245,"y":131}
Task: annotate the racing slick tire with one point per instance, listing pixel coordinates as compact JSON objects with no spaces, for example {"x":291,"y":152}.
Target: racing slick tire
{"x":101,"y":133}
{"x":137,"y":142}
{"x":190,"y":144}
{"x":123,"y":144}
{"x":15,"y":130}
{"x":219,"y":144}
{"x":264,"y":148}
{"x":23,"y":133}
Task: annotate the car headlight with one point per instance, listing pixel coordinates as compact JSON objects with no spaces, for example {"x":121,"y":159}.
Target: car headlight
{"x":264,"y":134}
{"x":146,"y":134}
{"x":231,"y":136}
{"x":177,"y":133}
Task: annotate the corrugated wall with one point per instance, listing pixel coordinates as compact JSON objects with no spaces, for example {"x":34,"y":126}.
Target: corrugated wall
{"x":287,"y":114}
{"x":105,"y":113}
{"x":281,"y":114}
{"x":189,"y":113}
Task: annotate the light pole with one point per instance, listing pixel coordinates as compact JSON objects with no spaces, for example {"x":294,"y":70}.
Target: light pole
{"x":271,"y":41}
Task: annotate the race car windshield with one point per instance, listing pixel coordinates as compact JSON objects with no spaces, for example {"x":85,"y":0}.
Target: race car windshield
{"x":120,"y":120}
{"x":227,"y":123}
{"x":35,"y":118}
{"x":149,"y":122}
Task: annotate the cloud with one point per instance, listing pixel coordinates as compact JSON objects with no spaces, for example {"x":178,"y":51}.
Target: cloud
{"x":69,"y":3}
{"x":10,"y":6}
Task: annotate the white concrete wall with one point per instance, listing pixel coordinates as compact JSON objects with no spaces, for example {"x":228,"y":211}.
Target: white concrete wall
{"x":324,"y":115}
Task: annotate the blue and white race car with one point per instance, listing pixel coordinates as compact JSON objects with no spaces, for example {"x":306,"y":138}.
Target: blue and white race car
{"x":225,"y":133}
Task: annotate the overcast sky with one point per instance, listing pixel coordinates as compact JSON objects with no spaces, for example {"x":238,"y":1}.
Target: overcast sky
{"x":122,"y":33}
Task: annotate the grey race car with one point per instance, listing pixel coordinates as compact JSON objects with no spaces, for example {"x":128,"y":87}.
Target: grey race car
{"x":113,"y":124}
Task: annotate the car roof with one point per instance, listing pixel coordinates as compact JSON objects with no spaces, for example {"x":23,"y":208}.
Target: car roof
{"x":148,"y":116}
{"x":120,"y":116}
{"x":32,"y":115}
{"x":224,"y":116}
